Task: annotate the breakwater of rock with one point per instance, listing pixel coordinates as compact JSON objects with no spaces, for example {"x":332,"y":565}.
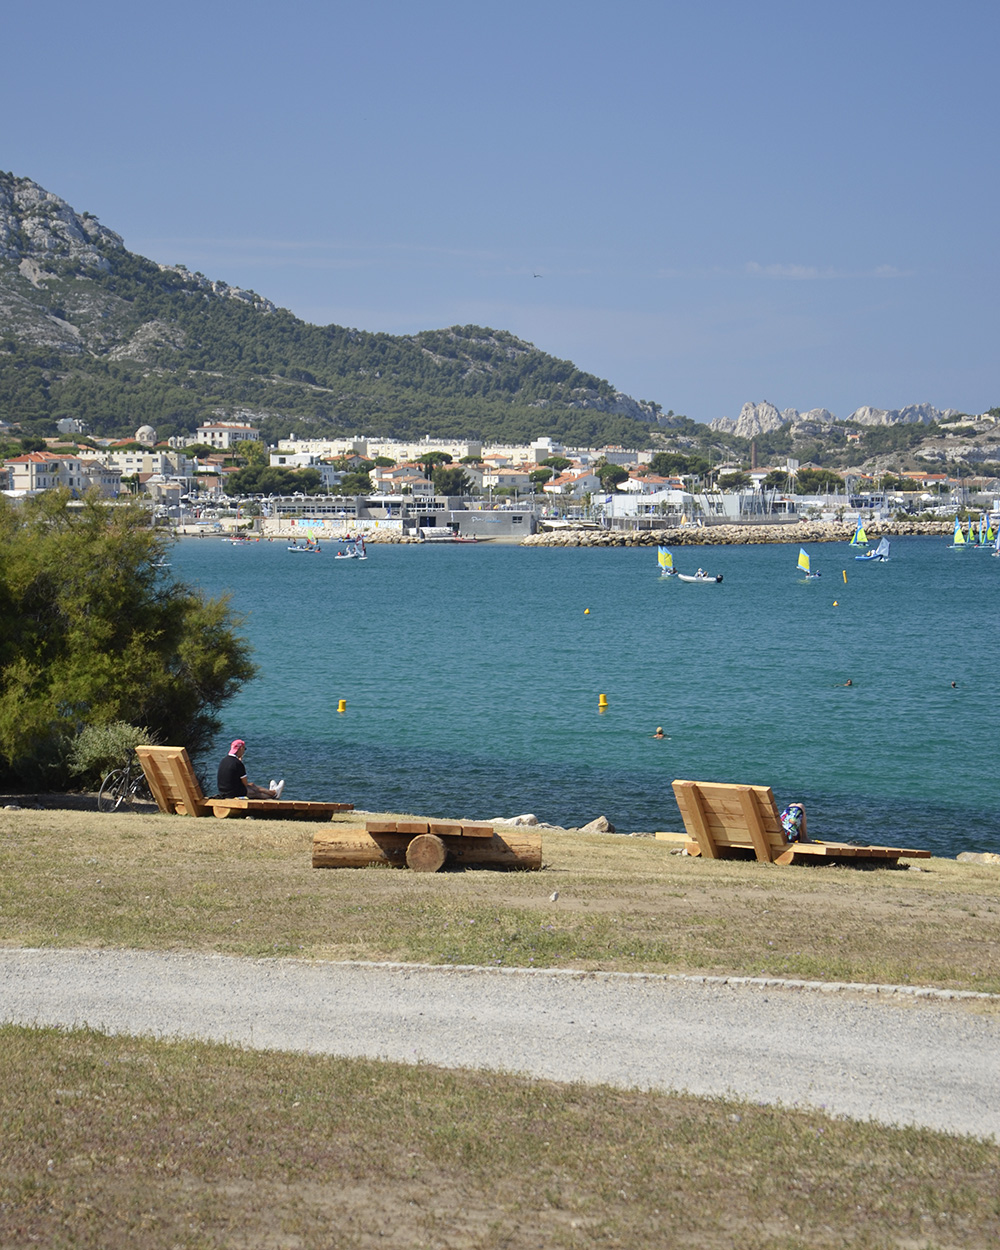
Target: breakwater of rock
{"x":734,"y":535}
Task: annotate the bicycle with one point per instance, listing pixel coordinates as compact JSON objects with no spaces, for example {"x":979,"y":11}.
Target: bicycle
{"x":124,"y":786}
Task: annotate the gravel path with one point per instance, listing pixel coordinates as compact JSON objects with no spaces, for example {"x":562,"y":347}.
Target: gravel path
{"x":900,"y":1061}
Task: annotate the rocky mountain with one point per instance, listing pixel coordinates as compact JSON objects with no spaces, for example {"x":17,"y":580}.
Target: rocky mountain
{"x":91,"y":330}
{"x":755,"y":419}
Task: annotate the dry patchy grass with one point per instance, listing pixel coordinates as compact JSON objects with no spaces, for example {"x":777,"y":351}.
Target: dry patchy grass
{"x":247,"y":887}
{"x":112,"y":1143}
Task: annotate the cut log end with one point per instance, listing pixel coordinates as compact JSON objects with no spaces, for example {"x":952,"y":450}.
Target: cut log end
{"x":426,"y":853}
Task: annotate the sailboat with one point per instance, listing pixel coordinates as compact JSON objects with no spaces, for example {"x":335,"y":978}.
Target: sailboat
{"x":996,"y":547}
{"x":354,"y":549}
{"x":958,"y":538}
{"x":860,"y":538}
{"x":804,"y":564}
{"x":665,"y":559}
{"x":881,"y":552}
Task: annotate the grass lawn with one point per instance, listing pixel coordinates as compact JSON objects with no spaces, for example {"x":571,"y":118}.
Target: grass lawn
{"x":247,"y":888}
{"x":118,"y":1143}
{"x":121,"y":1142}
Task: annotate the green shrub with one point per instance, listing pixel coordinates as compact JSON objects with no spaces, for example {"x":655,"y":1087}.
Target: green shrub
{"x":97,"y":749}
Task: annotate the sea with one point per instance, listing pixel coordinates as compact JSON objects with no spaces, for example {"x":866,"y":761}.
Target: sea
{"x":472,"y":678}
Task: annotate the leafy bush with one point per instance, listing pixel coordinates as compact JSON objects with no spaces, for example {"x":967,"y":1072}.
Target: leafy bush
{"x":97,"y":749}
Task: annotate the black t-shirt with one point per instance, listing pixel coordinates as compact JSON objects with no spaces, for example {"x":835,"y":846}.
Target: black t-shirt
{"x":231,"y":774}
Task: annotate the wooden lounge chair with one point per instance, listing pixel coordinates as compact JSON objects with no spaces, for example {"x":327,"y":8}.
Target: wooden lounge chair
{"x":177,"y":791}
{"x":733,"y":822}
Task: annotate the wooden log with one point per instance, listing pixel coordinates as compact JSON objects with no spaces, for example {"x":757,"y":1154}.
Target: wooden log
{"x":426,"y":853}
{"x":352,"y":846}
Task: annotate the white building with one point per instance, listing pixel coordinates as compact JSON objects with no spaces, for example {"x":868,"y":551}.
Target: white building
{"x":37,"y":471}
{"x":659,"y":503}
{"x":165,"y":463}
{"x":572,"y":485}
{"x":226,"y":434}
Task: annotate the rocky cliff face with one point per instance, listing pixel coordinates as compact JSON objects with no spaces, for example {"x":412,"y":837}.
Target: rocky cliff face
{"x":913,"y":414}
{"x":38,"y":229}
{"x":754,"y":419}
{"x":48,"y":240}
{"x":761,"y":418}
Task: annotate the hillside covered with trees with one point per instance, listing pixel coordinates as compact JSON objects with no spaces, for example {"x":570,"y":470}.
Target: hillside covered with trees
{"x":93,"y":331}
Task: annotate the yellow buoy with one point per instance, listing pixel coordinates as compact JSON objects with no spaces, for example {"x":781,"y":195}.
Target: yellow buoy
{"x":845,"y":577}
{"x":602,"y":702}
{"x":342,"y":705}
{"x":586,"y":611}
{"x":836,"y":604}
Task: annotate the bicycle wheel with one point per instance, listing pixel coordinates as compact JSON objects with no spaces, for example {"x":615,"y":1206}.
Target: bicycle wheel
{"x":137,"y":791}
{"x":112,"y":791}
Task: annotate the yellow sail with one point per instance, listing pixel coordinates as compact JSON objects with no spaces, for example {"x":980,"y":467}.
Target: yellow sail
{"x":803,"y":560}
{"x":958,"y":538}
{"x":665,"y":558}
{"x":861,"y":536}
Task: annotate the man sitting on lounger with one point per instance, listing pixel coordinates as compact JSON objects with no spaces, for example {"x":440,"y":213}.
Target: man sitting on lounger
{"x":234,"y":782}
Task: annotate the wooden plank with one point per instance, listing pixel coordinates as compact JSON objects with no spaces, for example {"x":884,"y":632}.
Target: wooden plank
{"x":476,"y":831}
{"x":442,"y":827}
{"x":751,"y":816}
{"x":412,"y":827}
{"x":693,"y":811}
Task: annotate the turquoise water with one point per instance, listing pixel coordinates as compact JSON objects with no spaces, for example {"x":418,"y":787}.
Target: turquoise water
{"x":472,"y":676}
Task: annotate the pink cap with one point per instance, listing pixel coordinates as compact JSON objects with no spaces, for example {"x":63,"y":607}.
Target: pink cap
{"x":235,"y":745}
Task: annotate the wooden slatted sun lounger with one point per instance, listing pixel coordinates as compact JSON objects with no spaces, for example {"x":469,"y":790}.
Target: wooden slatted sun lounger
{"x":177,"y":791}
{"x":728,"y":821}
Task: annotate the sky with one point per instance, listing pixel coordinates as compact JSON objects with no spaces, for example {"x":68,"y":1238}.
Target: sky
{"x":706,"y":202}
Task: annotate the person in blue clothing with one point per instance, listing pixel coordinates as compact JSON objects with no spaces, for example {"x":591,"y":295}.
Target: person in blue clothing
{"x":793,"y":822}
{"x":233,"y":781}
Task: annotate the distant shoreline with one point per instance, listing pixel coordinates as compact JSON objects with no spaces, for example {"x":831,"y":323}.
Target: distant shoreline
{"x":735,"y":535}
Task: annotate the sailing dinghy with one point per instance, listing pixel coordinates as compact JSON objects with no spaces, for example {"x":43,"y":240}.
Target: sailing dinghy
{"x":804,"y":564}
{"x":665,"y":559}
{"x":881,"y":552}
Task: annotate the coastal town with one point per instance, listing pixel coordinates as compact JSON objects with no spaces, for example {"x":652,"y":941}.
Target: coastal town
{"x":442,"y":490}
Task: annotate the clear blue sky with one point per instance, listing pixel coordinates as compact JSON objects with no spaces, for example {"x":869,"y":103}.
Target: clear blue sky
{"x":761,"y":199}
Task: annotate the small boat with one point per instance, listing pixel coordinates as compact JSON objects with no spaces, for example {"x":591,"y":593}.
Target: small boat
{"x":804,"y":564}
{"x":996,"y":548}
{"x":860,"y":538}
{"x":958,"y":538}
{"x":310,"y":549}
{"x":665,"y":559}
{"x":704,"y":578}
{"x":881,"y":552}
{"x":355,"y":550}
